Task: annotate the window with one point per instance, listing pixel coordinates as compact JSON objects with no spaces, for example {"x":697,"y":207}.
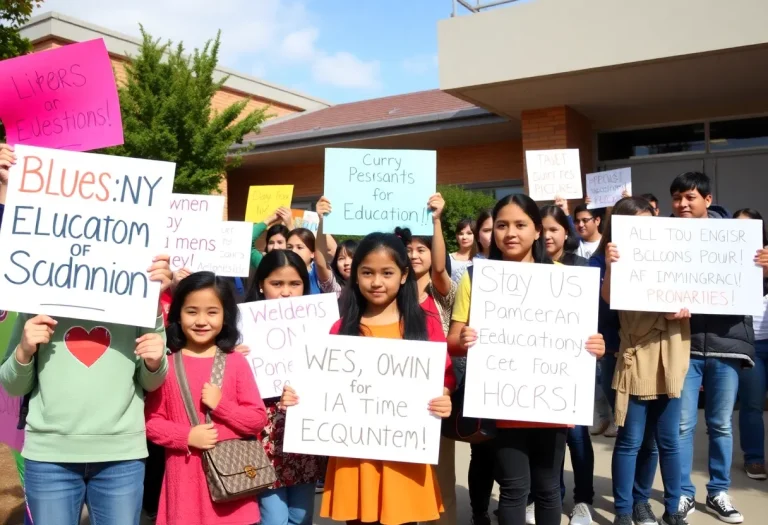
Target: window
{"x":654,"y":141}
{"x":500,"y":193}
{"x":742,"y":133}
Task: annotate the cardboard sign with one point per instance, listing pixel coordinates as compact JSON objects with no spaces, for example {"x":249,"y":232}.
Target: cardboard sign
{"x":64,"y":98}
{"x":194,"y":208}
{"x":277,"y":330}
{"x":9,"y":406}
{"x":553,"y":173}
{"x":606,"y":188}
{"x":222,"y":247}
{"x":706,"y":265}
{"x":367,"y":398}
{"x":306,"y":219}
{"x":530,"y":362}
{"x":264,"y":200}
{"x":378,"y":190}
{"x":79,"y":233}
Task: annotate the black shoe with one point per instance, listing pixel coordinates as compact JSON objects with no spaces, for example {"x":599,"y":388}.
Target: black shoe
{"x":643,"y":514}
{"x":721,"y":507}
{"x":481,"y":519}
{"x":673,"y":519}
{"x":687,"y":506}
{"x":623,"y":519}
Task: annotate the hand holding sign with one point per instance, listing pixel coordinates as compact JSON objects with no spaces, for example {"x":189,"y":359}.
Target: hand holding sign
{"x":160,"y":272}
{"x":7,"y":159}
{"x":37,"y":331}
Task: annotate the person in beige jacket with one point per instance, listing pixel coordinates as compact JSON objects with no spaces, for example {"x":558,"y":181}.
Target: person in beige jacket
{"x":650,"y":370}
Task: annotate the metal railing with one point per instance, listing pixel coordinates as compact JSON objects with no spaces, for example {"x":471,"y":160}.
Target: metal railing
{"x":478,"y":5}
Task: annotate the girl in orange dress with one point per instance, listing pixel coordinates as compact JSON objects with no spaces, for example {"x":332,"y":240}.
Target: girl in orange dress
{"x":382,"y":300}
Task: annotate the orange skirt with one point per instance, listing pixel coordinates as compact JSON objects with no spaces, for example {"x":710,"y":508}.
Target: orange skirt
{"x":380,"y":491}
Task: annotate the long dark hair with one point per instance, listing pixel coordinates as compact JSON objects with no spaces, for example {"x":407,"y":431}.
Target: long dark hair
{"x":626,"y":206}
{"x":481,"y":218}
{"x":277,"y":229}
{"x":349,"y":246}
{"x":272,"y":261}
{"x":753,"y":214}
{"x":557,"y":213}
{"x":352,"y":306}
{"x":529,"y":207}
{"x":229,"y":337}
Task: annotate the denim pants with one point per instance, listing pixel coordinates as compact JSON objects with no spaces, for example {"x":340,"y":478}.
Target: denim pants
{"x":752,"y":388}
{"x":648,"y":457}
{"x":720,"y":378}
{"x":659,"y":418}
{"x":294,"y":505}
{"x":111,"y":490}
{"x":583,"y":464}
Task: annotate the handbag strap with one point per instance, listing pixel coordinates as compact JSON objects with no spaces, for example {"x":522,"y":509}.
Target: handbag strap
{"x":217,"y":378}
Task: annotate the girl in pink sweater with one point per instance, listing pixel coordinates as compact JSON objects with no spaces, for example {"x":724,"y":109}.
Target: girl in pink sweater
{"x":202,"y":318}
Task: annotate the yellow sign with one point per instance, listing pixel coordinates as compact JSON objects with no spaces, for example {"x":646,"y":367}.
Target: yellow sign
{"x":264,"y":200}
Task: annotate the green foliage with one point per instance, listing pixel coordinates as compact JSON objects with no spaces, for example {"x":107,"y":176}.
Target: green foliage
{"x":166,"y":111}
{"x":13,"y":15}
{"x":460,"y":204}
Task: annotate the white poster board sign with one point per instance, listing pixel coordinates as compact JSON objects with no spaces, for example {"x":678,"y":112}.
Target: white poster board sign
{"x":194,"y":208}
{"x":606,"y":188}
{"x":221,"y":247}
{"x":706,"y":265}
{"x":367,"y":398}
{"x":553,"y":173}
{"x":530,"y":362}
{"x":276,"y":332}
{"x":80,"y":231}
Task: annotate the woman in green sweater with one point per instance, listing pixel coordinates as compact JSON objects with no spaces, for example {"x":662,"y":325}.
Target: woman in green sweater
{"x":85,"y":438}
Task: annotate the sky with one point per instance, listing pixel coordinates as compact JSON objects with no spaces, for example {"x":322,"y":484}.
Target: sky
{"x":334,"y":50}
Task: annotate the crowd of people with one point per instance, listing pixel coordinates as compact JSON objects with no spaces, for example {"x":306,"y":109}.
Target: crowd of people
{"x":116,"y":435}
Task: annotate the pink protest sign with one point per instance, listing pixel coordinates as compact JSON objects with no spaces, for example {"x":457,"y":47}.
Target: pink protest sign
{"x":9,"y":419}
{"x":65,"y":98}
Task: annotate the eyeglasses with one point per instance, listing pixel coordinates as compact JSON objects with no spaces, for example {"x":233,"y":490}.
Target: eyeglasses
{"x":583,"y":221}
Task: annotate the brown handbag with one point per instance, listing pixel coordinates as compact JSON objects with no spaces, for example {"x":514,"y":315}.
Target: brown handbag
{"x":234,"y":468}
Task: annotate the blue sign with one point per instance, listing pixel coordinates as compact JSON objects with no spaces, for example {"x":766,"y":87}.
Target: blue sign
{"x":374,"y":190}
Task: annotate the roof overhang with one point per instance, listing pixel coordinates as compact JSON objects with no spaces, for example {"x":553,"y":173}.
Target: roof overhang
{"x":61,"y":27}
{"x":441,"y":130}
{"x":619,"y":63}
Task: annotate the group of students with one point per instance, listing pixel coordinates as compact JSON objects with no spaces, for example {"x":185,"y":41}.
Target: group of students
{"x":88,"y":427}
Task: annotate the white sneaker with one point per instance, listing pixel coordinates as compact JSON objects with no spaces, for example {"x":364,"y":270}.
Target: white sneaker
{"x":581,"y":515}
{"x":530,"y":514}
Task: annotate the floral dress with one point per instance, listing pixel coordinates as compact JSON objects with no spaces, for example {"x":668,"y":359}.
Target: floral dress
{"x":291,"y":469}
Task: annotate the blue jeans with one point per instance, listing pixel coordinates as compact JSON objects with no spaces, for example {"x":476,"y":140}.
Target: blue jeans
{"x":648,"y":456}
{"x":112,"y":491}
{"x":294,"y":505}
{"x":659,"y":418}
{"x":752,"y":389}
{"x":720,"y":378}
{"x":583,"y":463}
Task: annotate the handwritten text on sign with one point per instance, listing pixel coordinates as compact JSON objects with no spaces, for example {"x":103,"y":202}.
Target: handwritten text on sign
{"x":530,"y":362}
{"x":606,"y":188}
{"x":379,"y":190}
{"x":9,"y":406}
{"x":194,"y":208}
{"x":64,"y":98}
{"x":276,"y":332}
{"x":367,"y":398}
{"x":79,"y":233}
{"x":264,"y":200}
{"x":705,"y":265}
{"x":553,"y":173}
{"x":222,"y":247}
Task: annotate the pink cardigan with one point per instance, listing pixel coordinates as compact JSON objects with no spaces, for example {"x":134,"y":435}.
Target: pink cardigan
{"x":184,"y":497}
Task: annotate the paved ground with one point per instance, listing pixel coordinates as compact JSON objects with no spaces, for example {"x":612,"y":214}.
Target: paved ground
{"x":750,"y":497}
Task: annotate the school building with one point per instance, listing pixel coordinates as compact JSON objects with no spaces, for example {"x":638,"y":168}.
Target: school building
{"x":662,"y":87}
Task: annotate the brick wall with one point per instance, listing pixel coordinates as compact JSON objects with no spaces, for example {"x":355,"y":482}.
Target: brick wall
{"x":485,"y":163}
